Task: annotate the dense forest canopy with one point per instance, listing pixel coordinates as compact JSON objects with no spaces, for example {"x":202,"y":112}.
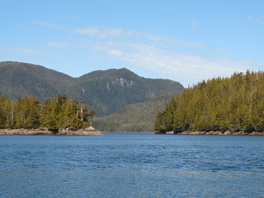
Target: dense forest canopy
{"x":57,"y":112}
{"x":220,"y":104}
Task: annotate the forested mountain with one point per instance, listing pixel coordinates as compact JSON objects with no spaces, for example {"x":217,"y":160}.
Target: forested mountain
{"x":220,"y":104}
{"x":137,"y":117}
{"x":104,"y":91}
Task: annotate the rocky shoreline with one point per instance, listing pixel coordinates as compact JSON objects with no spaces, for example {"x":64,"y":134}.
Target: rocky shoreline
{"x":88,"y":131}
{"x":252,"y":133}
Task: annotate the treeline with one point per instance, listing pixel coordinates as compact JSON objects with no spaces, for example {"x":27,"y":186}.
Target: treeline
{"x":220,"y":104}
{"x":55,"y":113}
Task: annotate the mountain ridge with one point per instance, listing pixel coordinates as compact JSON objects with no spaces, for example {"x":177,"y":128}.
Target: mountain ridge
{"x":105,"y":91}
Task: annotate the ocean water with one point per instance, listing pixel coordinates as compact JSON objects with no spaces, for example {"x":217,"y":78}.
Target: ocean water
{"x":132,"y":165}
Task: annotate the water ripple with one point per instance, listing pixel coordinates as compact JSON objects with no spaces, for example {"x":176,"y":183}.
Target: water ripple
{"x":131,"y":165}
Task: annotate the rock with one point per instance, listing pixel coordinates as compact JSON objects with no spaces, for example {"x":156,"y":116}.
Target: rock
{"x":170,"y":132}
{"x":90,"y":128}
{"x":48,"y":132}
{"x":213,"y":133}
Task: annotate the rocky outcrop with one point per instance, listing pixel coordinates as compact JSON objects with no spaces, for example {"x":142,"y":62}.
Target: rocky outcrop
{"x":214,"y":132}
{"x":116,"y":80}
{"x":48,"y":132}
{"x":88,"y":131}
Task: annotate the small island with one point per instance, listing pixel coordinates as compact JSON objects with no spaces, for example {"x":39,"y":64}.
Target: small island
{"x":57,"y":116}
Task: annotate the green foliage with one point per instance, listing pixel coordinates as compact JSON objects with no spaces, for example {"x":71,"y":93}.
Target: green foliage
{"x":57,"y":112}
{"x":235,"y":103}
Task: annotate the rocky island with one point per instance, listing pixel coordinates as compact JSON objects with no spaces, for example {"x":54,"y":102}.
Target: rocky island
{"x":58,"y":115}
{"x":195,"y":132}
{"x":44,"y":131}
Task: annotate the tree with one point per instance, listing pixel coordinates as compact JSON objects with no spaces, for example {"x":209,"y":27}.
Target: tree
{"x":92,"y":113}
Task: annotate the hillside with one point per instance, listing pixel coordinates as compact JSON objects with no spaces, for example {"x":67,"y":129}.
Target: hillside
{"x":220,"y":104}
{"x":104,"y":91}
{"x":20,"y":79}
{"x":137,"y":117}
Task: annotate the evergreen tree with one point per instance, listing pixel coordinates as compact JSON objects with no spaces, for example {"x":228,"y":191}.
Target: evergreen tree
{"x":235,"y":103}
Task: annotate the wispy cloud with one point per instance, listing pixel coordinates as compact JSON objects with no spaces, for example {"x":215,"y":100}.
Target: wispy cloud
{"x":100,"y":32}
{"x":28,"y":51}
{"x":67,"y":18}
{"x":250,"y":18}
{"x":153,"y":53}
{"x":2,"y":37}
{"x":47,"y":25}
{"x":115,"y":52}
{"x":55,"y":44}
{"x":194,"y":24}
{"x":190,"y":44}
{"x":108,"y":32}
{"x":185,"y":67}
{"x":27,"y":29}
{"x":181,"y":66}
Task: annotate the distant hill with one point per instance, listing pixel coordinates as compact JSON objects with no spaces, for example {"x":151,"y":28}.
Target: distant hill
{"x":137,"y":117}
{"x":104,"y":91}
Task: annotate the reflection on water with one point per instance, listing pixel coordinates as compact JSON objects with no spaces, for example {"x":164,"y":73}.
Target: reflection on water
{"x":131,"y":165}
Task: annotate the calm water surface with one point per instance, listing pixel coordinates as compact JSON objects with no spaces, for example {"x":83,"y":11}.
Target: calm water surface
{"x":131,"y":165}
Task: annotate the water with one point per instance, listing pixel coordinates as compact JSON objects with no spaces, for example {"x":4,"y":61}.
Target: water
{"x":131,"y":165}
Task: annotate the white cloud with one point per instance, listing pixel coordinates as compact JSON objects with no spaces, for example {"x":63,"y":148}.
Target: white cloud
{"x":156,"y":38}
{"x":115,"y":52}
{"x":28,"y":51}
{"x":190,"y":44}
{"x":56,"y":44}
{"x":2,"y":37}
{"x":184,"y":67}
{"x":250,"y":18}
{"x":47,"y":25}
{"x":257,"y":20}
{"x":108,"y":32}
{"x":27,"y":29}
{"x":67,"y":18}
{"x":194,"y":24}
{"x":128,"y":47}
{"x":100,"y":32}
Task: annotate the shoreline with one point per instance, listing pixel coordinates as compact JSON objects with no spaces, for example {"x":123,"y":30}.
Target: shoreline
{"x":247,"y":133}
{"x":48,"y":132}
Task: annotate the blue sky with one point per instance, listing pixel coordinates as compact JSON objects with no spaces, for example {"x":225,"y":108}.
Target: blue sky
{"x":185,"y":41}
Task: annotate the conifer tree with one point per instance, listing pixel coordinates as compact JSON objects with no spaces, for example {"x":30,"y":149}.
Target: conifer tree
{"x":235,"y":103}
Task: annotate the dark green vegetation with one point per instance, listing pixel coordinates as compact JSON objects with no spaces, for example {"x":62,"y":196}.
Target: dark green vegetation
{"x":105,"y":91}
{"x":57,"y":112}
{"x":235,"y":103}
{"x":137,"y":117}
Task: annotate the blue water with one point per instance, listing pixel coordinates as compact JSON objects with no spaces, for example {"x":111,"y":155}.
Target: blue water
{"x":132,"y":165}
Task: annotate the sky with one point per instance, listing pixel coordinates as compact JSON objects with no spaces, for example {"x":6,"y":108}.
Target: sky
{"x":182,"y":40}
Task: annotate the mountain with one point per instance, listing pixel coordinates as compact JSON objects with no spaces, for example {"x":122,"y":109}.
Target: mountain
{"x":19,"y":79}
{"x":104,"y":91}
{"x":137,"y":117}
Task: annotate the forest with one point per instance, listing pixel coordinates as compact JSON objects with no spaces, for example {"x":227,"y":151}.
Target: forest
{"x":233,"y":103}
{"x":57,"y":112}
